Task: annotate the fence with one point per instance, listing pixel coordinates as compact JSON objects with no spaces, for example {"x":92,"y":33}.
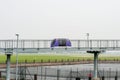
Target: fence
{"x":49,"y":73}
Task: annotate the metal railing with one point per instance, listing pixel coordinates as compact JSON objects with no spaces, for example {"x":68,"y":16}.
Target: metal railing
{"x":79,"y":44}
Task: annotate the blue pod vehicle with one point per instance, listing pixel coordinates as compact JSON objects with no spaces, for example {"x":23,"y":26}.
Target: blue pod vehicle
{"x":60,"y":42}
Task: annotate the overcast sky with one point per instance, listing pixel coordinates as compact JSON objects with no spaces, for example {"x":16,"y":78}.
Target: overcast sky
{"x":48,"y":19}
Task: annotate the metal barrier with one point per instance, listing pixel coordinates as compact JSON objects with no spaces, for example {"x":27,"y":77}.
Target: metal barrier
{"x":42,"y":73}
{"x":45,"y":44}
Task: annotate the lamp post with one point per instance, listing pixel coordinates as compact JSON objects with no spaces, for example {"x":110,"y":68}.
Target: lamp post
{"x":87,"y":39}
{"x":17,"y":35}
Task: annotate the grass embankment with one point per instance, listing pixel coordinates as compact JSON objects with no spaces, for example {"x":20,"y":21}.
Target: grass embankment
{"x":52,"y":58}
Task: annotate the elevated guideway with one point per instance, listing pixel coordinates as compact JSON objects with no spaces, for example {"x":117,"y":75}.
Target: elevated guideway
{"x":34,"y":46}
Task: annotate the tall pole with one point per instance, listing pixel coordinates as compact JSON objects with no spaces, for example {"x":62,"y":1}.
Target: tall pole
{"x":87,"y":39}
{"x":17,"y":56}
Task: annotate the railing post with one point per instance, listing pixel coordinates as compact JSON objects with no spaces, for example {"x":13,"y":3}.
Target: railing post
{"x":103,"y":78}
{"x":38,"y":45}
{"x":89,"y":76}
{"x":90,"y":44}
{"x":103,"y":75}
{"x":77,"y":78}
{"x":100,"y":44}
{"x":116,"y":43}
{"x":35,"y":76}
{"x":116,"y":78}
{"x":58,"y":74}
{"x":0,"y":74}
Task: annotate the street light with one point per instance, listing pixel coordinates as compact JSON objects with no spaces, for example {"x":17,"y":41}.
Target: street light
{"x":87,"y":39}
{"x":87,"y":36}
{"x":17,"y":56}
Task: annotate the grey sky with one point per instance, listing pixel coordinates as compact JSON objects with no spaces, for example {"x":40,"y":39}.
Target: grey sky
{"x":47,"y":19}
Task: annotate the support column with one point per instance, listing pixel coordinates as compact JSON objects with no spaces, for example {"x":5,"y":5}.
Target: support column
{"x":95,"y":66}
{"x":96,"y":53}
{"x":8,"y":67}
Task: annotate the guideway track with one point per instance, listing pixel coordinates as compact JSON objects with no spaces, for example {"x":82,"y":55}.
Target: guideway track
{"x":34,"y":46}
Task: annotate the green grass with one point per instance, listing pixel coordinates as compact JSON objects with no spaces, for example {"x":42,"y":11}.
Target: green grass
{"x":38,"y":58}
{"x":52,"y":58}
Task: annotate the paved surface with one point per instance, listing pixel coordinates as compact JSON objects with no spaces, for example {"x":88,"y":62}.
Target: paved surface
{"x":56,"y":63}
